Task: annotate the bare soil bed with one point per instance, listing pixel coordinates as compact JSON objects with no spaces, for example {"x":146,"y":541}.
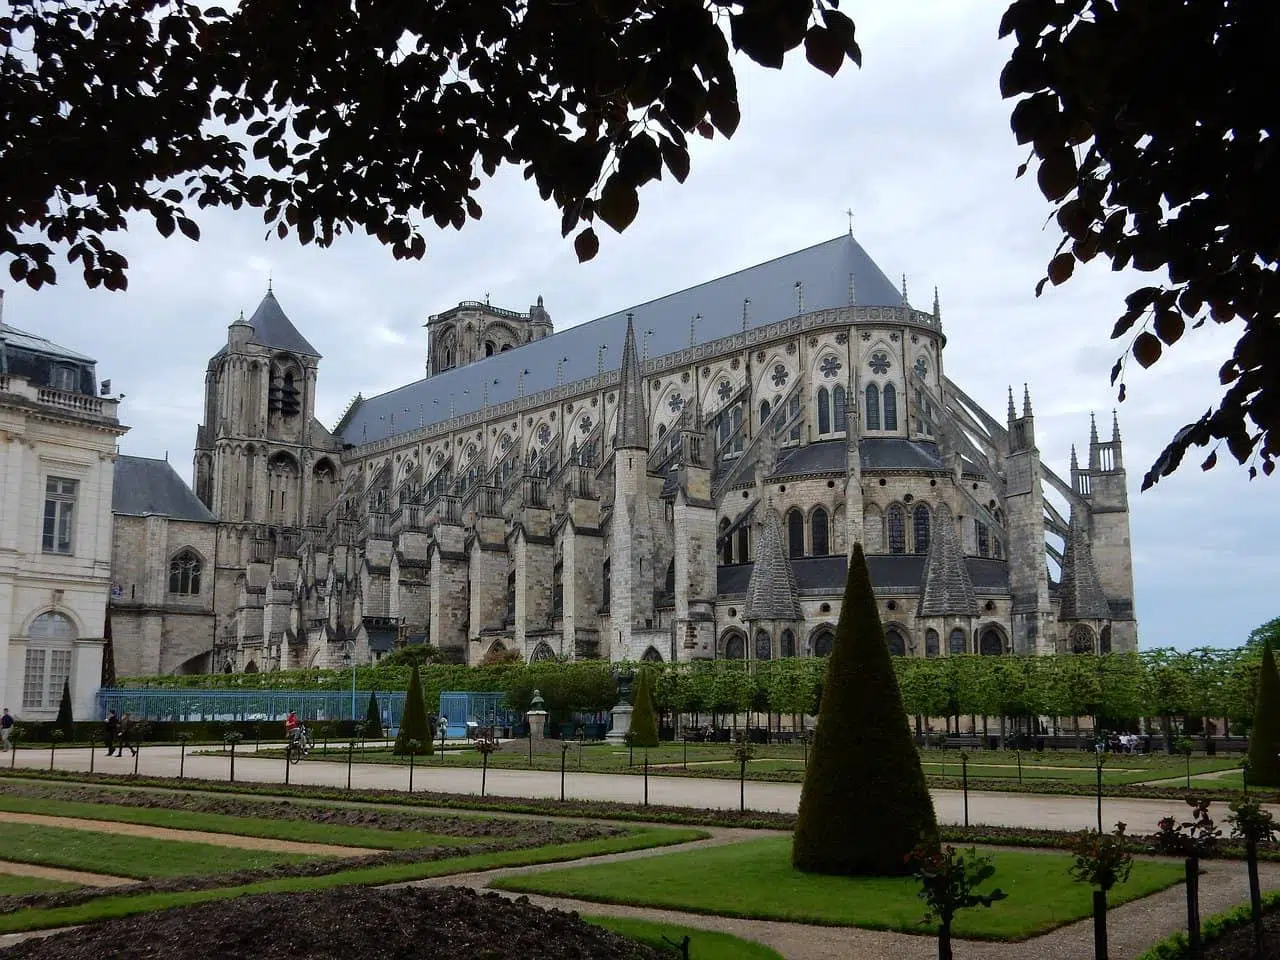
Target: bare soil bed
{"x":434,"y":924}
{"x":1237,"y":944}
{"x":440,"y":824}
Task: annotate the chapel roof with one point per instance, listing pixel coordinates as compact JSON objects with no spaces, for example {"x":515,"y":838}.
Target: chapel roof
{"x":145,"y":487}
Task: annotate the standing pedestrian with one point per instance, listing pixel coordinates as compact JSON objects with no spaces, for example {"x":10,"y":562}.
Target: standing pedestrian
{"x":111,"y":732}
{"x":126,"y":736}
{"x":6,"y":730}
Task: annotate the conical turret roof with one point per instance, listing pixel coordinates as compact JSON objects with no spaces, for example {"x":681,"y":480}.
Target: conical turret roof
{"x":772,"y":593}
{"x":271,"y":328}
{"x":948,"y":589}
{"x":1082,"y":595}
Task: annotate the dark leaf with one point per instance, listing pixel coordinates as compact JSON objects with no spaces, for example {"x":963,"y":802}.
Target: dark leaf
{"x":823,"y":49}
{"x":1169,"y":326}
{"x":586,"y":245}
{"x":618,"y":203}
{"x":1146,"y":349}
{"x":1209,"y":461}
{"x":1061,"y":267}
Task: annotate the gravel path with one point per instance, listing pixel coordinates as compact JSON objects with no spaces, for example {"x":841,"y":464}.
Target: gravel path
{"x":190,"y":836}
{"x":78,"y":877}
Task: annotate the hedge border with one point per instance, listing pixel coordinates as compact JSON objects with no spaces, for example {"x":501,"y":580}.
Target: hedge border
{"x":1176,"y":947}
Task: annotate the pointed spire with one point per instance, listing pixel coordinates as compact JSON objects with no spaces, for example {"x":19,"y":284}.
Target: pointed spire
{"x":1013,"y":413}
{"x":937,"y":308}
{"x":1026,"y":400}
{"x":1115,"y":427}
{"x":1075,"y":463}
{"x":1081,"y":590}
{"x":948,"y":589}
{"x":772,"y":593}
{"x":633,"y":423}
{"x":241,"y":320}
{"x":904,"y":290}
{"x":269,"y":293}
{"x":1093,"y":430}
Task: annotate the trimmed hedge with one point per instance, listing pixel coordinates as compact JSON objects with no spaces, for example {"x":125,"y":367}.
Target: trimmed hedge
{"x":1176,"y":947}
{"x":85,"y":732}
{"x":1264,"y":745}
{"x":865,"y":802}
{"x":414,"y":724}
{"x":644,"y":724}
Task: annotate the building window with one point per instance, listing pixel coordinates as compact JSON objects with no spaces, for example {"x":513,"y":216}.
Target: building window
{"x":735,"y":647}
{"x":744,"y":543}
{"x":764,"y":646}
{"x":873,"y":407}
{"x":837,"y":403}
{"x":793,"y":413}
{"x":894,"y":641}
{"x":511,"y":597}
{"x":795,"y":534}
{"x":984,"y":539}
{"x":48,"y":668}
{"x":920,"y":528}
{"x":824,"y":411}
{"x":931,"y":643}
{"x":557,"y":589}
{"x":608,"y":587}
{"x":890,"y":407}
{"x":726,"y":542}
{"x":1081,"y":639}
{"x":184,"y":573}
{"x":823,"y":642}
{"x":488,"y":348}
{"x":64,"y":378}
{"x":820,"y":538}
{"x":764,"y":410}
{"x":33,"y":679}
{"x":956,"y":642}
{"x":59,"y":514}
{"x":897,"y":523}
{"x":991,"y":643}
{"x":787,"y":644}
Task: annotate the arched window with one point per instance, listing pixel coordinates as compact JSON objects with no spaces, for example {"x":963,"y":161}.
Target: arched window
{"x":920,"y":528}
{"x":991,"y":643}
{"x":823,"y":641}
{"x":52,"y":626}
{"x":764,"y":410}
{"x":739,"y":436}
{"x":764,"y":646}
{"x":787,"y":644}
{"x":837,"y":403}
{"x":819,"y":538}
{"x":1104,"y":643}
{"x":48,"y":660}
{"x":997,"y":548}
{"x":669,"y":586}
{"x":744,"y":543}
{"x":511,"y":596}
{"x":896,"y":521}
{"x":607,"y":585}
{"x":984,"y":539}
{"x":957,"y":642}
{"x":795,"y":534}
{"x":542,"y":652}
{"x":651,"y":655}
{"x":824,"y":411}
{"x":184,"y":573}
{"x":488,"y":348}
{"x":1081,"y":639}
{"x":931,"y":643}
{"x":894,"y":640}
{"x":873,"y":407}
{"x":793,"y":413}
{"x":726,"y":546}
{"x":735,"y":646}
{"x":890,"y":407}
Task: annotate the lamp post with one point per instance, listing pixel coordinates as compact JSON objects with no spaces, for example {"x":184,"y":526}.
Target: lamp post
{"x":349,"y":658}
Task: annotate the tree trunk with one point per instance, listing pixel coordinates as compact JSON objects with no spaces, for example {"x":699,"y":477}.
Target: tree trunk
{"x":944,"y":940}
{"x":1100,"y":925}
{"x":1192,"y":868}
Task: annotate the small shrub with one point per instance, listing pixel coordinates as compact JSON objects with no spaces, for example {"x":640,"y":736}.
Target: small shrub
{"x":644,"y":722}
{"x":949,"y":884}
{"x":1101,"y":859}
{"x":414,"y":725}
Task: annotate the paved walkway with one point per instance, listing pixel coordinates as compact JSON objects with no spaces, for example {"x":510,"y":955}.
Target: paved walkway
{"x":1006,"y":809}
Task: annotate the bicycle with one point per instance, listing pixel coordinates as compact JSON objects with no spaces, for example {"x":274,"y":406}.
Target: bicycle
{"x":300,"y":745}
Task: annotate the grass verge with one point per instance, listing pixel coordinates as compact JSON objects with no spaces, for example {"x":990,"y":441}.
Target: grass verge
{"x":117,"y":855}
{"x":12,"y":885}
{"x":112,"y":907}
{"x":703,"y":944}
{"x":300,"y":831}
{"x":766,"y":887}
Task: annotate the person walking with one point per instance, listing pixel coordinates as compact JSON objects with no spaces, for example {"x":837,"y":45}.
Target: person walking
{"x":6,"y":730}
{"x":111,"y":732}
{"x":126,"y":736}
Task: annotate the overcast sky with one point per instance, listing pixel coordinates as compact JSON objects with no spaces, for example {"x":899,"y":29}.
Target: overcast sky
{"x":916,"y":143}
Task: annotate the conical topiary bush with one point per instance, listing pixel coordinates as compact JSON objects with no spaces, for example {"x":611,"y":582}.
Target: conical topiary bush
{"x":413,"y":723}
{"x":865,"y":804}
{"x":65,"y":721}
{"x":1264,"y":738}
{"x":373,"y":719}
{"x":644,"y":723}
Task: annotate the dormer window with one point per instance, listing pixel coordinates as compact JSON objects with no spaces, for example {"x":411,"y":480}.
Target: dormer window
{"x":64,"y":377}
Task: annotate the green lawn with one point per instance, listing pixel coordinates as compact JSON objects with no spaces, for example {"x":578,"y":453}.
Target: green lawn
{"x":755,"y":879}
{"x":703,"y":944}
{"x":123,"y":856}
{"x":302,"y":831}
{"x":12,"y":885}
{"x":109,"y":907}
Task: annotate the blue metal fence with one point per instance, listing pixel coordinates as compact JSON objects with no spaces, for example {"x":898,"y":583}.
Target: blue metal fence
{"x":481,"y":708}
{"x":147,"y":703}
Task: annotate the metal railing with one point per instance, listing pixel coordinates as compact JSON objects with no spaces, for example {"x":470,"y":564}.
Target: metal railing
{"x":230,"y":705}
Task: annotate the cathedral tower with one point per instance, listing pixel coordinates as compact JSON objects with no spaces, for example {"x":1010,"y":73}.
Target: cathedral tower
{"x":472,"y":331}
{"x":1024,"y":498}
{"x":1109,"y":533}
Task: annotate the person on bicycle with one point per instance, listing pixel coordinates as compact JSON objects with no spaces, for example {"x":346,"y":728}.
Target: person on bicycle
{"x":292,"y":727}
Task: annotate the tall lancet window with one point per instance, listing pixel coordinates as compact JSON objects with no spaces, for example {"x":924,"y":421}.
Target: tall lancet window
{"x":837,"y":403}
{"x":890,"y":407}
{"x":921,"y":528}
{"x":896,"y":519}
{"x":824,"y":411}
{"x":873,"y":407}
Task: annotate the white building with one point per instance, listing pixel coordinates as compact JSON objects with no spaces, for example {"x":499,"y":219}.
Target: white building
{"x":57,"y":443}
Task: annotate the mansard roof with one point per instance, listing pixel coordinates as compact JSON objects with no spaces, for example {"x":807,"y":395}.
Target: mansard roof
{"x":16,"y":339}
{"x":827,"y":273}
{"x":145,"y":487}
{"x":771,"y":592}
{"x":1081,"y":590}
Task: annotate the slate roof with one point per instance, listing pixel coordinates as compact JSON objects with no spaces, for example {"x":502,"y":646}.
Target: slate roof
{"x":1081,"y":590}
{"x":271,"y":328}
{"x":894,"y":453}
{"x":381,"y":639}
{"x":22,"y":340}
{"x":145,"y":487}
{"x":771,"y":592}
{"x":829,"y":456}
{"x":825,"y":271}
{"x":948,"y":590}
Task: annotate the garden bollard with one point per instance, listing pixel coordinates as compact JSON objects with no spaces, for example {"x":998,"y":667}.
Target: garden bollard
{"x":92,"y":750}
